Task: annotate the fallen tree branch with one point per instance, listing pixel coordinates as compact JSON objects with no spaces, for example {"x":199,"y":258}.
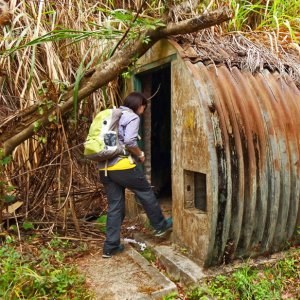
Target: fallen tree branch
{"x":103,"y":74}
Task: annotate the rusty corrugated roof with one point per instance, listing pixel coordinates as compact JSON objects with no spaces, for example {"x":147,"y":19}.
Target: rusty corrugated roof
{"x":253,"y":52}
{"x":254,"y":123}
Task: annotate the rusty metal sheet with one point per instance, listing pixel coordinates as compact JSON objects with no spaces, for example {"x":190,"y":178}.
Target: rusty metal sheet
{"x":255,"y":124}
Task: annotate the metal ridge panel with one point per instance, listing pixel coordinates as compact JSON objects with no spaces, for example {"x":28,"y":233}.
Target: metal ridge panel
{"x":255,"y":124}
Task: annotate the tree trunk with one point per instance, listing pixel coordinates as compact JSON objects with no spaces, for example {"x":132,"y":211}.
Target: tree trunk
{"x":20,"y":127}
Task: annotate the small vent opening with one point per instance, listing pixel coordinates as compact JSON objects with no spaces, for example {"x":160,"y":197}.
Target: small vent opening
{"x":195,"y":190}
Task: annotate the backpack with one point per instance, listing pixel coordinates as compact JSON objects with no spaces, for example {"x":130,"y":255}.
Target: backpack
{"x":102,"y":141}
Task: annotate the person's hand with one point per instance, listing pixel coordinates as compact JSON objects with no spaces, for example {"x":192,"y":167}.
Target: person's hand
{"x":142,"y":158}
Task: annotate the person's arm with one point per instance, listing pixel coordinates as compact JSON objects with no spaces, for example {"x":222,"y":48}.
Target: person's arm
{"x":130,"y":139}
{"x":137,"y":152}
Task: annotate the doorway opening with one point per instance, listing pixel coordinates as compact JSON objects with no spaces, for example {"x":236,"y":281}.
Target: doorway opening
{"x":156,"y":132}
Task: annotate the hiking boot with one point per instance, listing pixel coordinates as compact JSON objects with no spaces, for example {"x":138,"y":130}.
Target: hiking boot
{"x":109,"y":254}
{"x":165,"y":229}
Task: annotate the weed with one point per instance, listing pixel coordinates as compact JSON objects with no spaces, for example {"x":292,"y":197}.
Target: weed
{"x":171,"y":296}
{"x":101,"y":223}
{"x":27,"y":225}
{"x":183,"y":250}
{"x":249,"y":283}
{"x":58,"y":243}
{"x":147,"y":224}
{"x":41,"y":276}
{"x":149,"y":255}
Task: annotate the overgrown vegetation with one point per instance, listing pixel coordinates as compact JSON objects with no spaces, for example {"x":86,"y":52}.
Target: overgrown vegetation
{"x":280,"y":280}
{"x":279,"y":16}
{"x":57,"y":42}
{"x":28,"y":271}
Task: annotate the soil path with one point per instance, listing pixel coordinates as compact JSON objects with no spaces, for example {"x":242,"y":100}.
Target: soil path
{"x":125,"y":276}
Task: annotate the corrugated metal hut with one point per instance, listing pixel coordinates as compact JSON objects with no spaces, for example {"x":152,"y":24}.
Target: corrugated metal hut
{"x":222,"y":142}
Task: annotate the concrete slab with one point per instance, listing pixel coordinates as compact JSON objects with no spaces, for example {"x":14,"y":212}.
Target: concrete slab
{"x":179,"y":267}
{"x":127,"y":275}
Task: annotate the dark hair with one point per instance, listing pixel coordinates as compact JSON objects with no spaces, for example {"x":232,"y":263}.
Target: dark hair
{"x":135,"y":100}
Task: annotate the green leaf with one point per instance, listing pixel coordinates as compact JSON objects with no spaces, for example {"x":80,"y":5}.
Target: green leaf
{"x":41,"y":91}
{"x":52,"y":118}
{"x":9,"y":198}
{"x":43,"y":139}
{"x":102,"y":219}
{"x":126,"y":75}
{"x":101,"y":223}
{"x":50,"y":12}
{"x":122,"y":15}
{"x":146,"y":40}
{"x":79,"y":76}
{"x":49,"y":104}
{"x":10,"y":188}
{"x":36,"y":126}
{"x":13,"y":228}
{"x":40,"y":110}
{"x":6,"y":160}
{"x":28,"y":225}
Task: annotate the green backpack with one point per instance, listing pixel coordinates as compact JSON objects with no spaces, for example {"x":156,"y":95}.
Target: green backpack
{"x":102,"y":141}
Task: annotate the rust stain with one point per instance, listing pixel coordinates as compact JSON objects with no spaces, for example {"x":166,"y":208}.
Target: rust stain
{"x":243,"y":132}
{"x":276,"y":164}
{"x":256,"y":141}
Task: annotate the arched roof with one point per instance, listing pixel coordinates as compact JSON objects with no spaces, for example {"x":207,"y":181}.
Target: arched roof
{"x":253,"y":120}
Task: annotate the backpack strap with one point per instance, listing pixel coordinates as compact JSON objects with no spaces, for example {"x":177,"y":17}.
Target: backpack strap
{"x":130,"y":159}
{"x":105,"y":168}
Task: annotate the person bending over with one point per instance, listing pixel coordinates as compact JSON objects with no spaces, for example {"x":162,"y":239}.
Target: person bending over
{"x":122,"y":172}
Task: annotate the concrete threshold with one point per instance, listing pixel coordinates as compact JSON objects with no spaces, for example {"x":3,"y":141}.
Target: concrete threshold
{"x":178,"y":266}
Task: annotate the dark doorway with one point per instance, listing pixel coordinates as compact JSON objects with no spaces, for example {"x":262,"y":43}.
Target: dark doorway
{"x":157,"y":130}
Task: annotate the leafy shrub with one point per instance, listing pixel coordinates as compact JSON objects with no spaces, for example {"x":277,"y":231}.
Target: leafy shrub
{"x":41,"y":275}
{"x":271,"y":283}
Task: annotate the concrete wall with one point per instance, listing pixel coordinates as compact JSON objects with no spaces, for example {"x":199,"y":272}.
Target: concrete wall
{"x":189,"y":151}
{"x":190,"y":154}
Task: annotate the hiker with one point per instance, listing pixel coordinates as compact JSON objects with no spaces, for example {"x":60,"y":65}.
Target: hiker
{"x":122,"y":172}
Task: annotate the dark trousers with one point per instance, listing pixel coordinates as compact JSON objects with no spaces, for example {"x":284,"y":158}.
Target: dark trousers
{"x":115,"y":183}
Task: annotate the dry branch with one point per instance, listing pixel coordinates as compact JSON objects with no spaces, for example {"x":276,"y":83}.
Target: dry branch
{"x":104,"y":73}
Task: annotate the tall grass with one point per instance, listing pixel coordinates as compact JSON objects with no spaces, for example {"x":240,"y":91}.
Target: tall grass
{"x":56,"y":61}
{"x":39,"y":73}
{"x":56,"y":42}
{"x":55,"y":39}
{"x":56,"y":36}
{"x":281,"y":16}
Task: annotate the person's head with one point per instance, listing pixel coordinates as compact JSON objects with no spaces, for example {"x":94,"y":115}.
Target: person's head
{"x":136,"y":101}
